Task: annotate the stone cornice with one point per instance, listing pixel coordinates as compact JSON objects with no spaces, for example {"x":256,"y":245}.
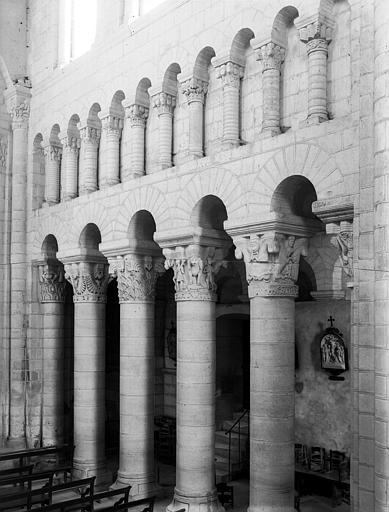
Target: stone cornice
{"x":334,"y":209}
{"x":297,"y":226}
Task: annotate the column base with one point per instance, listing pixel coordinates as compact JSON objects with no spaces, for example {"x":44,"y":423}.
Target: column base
{"x":140,"y":487}
{"x":269,"y":132}
{"x":313,"y":120}
{"x":102,"y":473}
{"x":231,"y":143}
{"x":207,"y":503}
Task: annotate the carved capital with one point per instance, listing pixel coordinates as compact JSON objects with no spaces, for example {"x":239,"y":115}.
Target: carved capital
{"x":90,"y":135}
{"x":53,"y":153}
{"x":272,"y":262}
{"x":3,"y":153}
{"x":194,"y":270}
{"x":52,"y":281}
{"x":271,"y":54}
{"x":17,"y":98}
{"x":164,"y":103}
{"x":137,"y":115}
{"x":136,"y":275}
{"x":315,"y":32}
{"x":71,"y":144}
{"x":230,"y":74}
{"x":194,"y":89}
{"x":89,"y":281}
{"x":112,"y":125}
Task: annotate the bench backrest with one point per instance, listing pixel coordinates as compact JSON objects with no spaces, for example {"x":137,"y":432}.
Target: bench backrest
{"x":22,"y":455}
{"x":146,"y":503}
{"x":15,"y":472}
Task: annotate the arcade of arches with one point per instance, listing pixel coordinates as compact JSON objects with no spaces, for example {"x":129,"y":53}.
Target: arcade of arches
{"x":187,"y":209}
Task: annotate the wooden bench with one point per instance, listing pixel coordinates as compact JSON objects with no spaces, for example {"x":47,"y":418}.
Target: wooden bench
{"x":87,"y":503}
{"x":148,"y":502}
{"x":15,"y":472}
{"x":336,"y":484}
{"x":19,"y":491}
{"x":64,"y":452}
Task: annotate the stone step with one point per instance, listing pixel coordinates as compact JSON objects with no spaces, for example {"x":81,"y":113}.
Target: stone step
{"x":222,"y":450}
{"x":221,"y":463}
{"x":244,"y":427}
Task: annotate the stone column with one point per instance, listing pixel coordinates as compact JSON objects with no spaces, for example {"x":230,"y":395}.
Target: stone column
{"x":18,"y":105}
{"x":69,"y":173}
{"x":89,"y":154}
{"x":381,"y":255}
{"x":136,"y":275}
{"x":89,"y":281}
{"x":52,"y":173}
{"x":195,"y":90}
{"x":272,"y":55}
{"x":165,"y":104}
{"x":110,"y":140}
{"x":52,"y":296}
{"x":230,"y":74}
{"x":196,"y":366}
{"x":317,"y":36}
{"x":137,"y":116}
{"x":272,"y":262}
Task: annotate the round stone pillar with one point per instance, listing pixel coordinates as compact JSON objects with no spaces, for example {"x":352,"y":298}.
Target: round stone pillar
{"x":317,"y":36}
{"x":110,"y":141}
{"x":272,"y":263}
{"x":52,"y":291}
{"x":18,"y":104}
{"x":69,"y":173}
{"x":137,"y":116}
{"x":165,"y":104}
{"x":230,"y":74}
{"x":196,"y":374}
{"x":89,"y":281}
{"x":195,"y":90}
{"x":381,"y":256}
{"x":136,"y":276}
{"x":52,"y":174}
{"x":272,"y":56}
{"x":89,"y":153}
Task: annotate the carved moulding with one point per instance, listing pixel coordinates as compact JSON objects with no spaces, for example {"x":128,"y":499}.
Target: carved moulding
{"x":89,"y":280}
{"x":52,"y":281}
{"x":136,"y":275}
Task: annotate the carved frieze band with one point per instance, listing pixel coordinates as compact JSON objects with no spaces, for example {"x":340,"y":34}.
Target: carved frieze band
{"x":271,"y":55}
{"x":230,"y":74}
{"x":164,"y":103}
{"x":136,"y":275}
{"x":89,"y":281}
{"x":194,"y":89}
{"x":3,"y":152}
{"x":137,"y":115}
{"x":52,"y":282}
{"x":272,"y":262}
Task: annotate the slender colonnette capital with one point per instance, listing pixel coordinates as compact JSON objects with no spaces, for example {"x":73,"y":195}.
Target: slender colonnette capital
{"x":17,"y":98}
{"x":136,"y":275}
{"x":230,"y":73}
{"x":90,"y":138}
{"x":272,"y":264}
{"x":316,"y":34}
{"x":52,"y":296}
{"x":165,"y":104}
{"x":69,"y":174}
{"x":194,"y":278}
{"x":272,"y":55}
{"x":53,"y":154}
{"x":89,"y":281}
{"x":195,"y":90}
{"x":137,"y":116}
{"x":112,"y":126}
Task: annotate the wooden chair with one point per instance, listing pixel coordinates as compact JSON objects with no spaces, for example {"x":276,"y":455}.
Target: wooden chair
{"x":300,"y":454}
{"x":317,"y":458}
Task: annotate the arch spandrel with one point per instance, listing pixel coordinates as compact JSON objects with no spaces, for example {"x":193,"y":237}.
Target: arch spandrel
{"x":308,"y":160}
{"x":219,"y":182}
{"x":147,"y":198}
{"x":49,"y":225}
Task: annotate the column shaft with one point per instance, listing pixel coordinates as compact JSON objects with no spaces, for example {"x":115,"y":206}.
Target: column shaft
{"x":137,"y":115}
{"x":70,"y":169}
{"x":110,"y":140}
{"x":89,"y":388}
{"x":317,"y":79}
{"x":272,"y":404}
{"x":52,"y":339}
{"x":196,"y":367}
{"x":271,"y":101}
{"x":231,"y":115}
{"x":52,"y":186}
{"x":165,"y":139}
{"x":196,"y":128}
{"x":88,"y":160}
{"x":136,"y":465}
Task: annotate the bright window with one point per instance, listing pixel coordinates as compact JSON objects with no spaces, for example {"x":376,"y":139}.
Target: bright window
{"x":79,"y":27}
